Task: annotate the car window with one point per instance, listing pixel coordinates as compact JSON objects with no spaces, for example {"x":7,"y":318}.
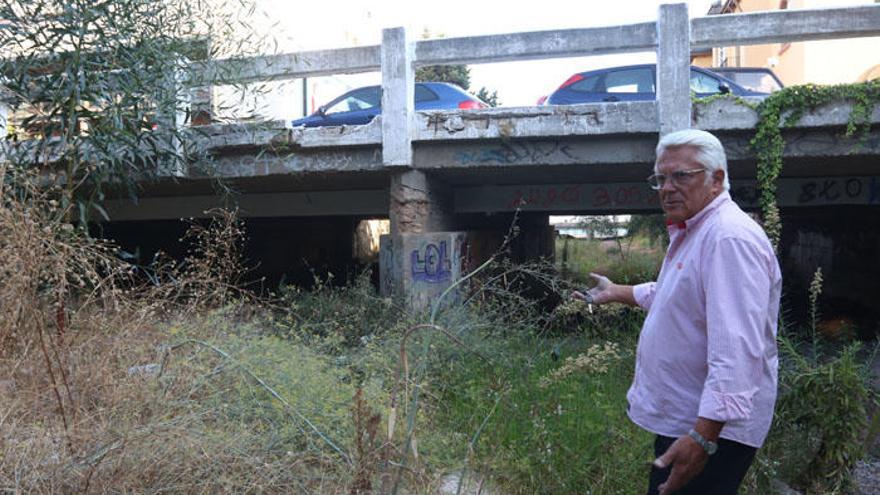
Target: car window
{"x":425,"y":94}
{"x":363,"y":99}
{"x":755,"y":81}
{"x":639,"y":80}
{"x":702,"y":83}
{"x":586,"y":85}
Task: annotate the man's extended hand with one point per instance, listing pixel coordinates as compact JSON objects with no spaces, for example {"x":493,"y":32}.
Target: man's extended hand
{"x":687,"y":459}
{"x":600,"y":294}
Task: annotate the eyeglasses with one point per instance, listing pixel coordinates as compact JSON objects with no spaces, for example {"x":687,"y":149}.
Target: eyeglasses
{"x":679,"y":178}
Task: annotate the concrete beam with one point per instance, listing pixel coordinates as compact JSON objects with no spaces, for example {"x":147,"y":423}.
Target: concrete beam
{"x":266,"y":163}
{"x":622,"y":197}
{"x":637,"y":148}
{"x":398,"y":95}
{"x":784,"y":26}
{"x":727,"y":115}
{"x":567,"y":120}
{"x":288,"y":204}
{"x":537,"y":45}
{"x":286,"y":66}
{"x":596,"y":119}
{"x":350,"y":135}
{"x":634,"y":152}
{"x":673,"y":68}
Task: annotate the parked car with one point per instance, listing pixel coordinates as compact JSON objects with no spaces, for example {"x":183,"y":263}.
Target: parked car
{"x":752,"y":78}
{"x":636,"y":83}
{"x":359,"y":106}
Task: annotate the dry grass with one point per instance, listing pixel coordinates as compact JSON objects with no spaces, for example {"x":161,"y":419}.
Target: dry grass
{"x":93,"y":400}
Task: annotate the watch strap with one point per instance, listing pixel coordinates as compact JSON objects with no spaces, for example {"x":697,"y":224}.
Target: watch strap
{"x":709,"y":446}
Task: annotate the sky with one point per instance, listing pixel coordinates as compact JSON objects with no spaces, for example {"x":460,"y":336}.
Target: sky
{"x":341,"y":23}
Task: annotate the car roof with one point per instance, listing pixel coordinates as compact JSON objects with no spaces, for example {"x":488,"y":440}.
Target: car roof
{"x":641,"y":66}
{"x":653,"y":66}
{"x":765,"y":70}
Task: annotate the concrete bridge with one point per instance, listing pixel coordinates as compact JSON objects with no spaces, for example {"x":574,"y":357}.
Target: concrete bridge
{"x":438,"y":174}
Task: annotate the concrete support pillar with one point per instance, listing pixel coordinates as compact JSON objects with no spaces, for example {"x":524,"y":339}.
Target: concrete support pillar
{"x":4,"y":116}
{"x":175,"y":105}
{"x":419,"y":204}
{"x":421,"y":267}
{"x":422,"y":256}
{"x":673,"y":68}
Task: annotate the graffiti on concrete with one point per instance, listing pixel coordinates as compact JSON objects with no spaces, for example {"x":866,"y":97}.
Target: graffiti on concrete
{"x":546,"y":196}
{"x":634,"y":195}
{"x":832,"y":190}
{"x":637,"y":196}
{"x":564,"y":196}
{"x":807,"y":142}
{"x":745,"y":194}
{"x":516,"y":152}
{"x":431,"y":264}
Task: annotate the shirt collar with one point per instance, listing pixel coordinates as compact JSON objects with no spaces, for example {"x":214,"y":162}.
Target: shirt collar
{"x":701,"y":215}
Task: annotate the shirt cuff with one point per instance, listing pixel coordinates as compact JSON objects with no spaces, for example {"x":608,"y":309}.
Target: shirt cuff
{"x":719,"y":406}
{"x":644,"y":294}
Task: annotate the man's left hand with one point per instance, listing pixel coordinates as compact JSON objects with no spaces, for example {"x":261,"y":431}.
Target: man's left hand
{"x":687,"y":459}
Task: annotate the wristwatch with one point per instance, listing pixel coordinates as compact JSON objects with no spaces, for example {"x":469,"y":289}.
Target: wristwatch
{"x":709,"y":447}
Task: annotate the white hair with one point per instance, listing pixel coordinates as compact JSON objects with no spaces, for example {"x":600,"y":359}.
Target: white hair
{"x":710,"y":153}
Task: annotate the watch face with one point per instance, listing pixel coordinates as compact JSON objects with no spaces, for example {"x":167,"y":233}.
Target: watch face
{"x":711,"y":447}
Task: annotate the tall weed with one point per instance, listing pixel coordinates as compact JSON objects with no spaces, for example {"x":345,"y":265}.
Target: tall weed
{"x":824,"y":392}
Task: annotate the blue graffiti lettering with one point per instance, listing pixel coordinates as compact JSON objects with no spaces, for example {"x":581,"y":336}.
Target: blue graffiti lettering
{"x":432,"y":266}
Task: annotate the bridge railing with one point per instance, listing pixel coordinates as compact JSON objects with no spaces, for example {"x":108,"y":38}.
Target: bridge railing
{"x":673,"y":36}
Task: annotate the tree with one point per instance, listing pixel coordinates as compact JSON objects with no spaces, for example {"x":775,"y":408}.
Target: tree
{"x":491,"y":99}
{"x":456,"y":74}
{"x":98,"y":87}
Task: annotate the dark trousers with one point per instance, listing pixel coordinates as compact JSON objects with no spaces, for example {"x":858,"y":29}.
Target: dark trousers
{"x":722,"y":475}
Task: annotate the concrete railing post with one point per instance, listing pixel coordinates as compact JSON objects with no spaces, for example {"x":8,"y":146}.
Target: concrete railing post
{"x":673,"y":68}
{"x":173,"y":117}
{"x":4,"y":126}
{"x":4,"y":117}
{"x":398,"y":94}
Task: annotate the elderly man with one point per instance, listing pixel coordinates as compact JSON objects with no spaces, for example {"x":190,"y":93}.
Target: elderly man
{"x":705,"y":376}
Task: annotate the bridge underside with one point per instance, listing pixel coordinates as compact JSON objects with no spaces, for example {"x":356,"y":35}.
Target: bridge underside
{"x":302,"y":197}
{"x":582,"y":175}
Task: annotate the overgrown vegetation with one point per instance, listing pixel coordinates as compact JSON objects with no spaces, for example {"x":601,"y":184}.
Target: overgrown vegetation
{"x":782,"y":110}
{"x":170,"y":386}
{"x":98,"y":91}
{"x":824,"y":394}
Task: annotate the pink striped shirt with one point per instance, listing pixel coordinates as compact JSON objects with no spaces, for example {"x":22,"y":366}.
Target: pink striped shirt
{"x":708,"y":345}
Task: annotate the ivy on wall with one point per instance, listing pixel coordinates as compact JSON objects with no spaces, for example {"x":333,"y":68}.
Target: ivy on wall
{"x":783,"y":109}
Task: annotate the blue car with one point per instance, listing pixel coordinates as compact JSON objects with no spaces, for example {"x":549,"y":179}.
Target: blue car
{"x":636,"y":83}
{"x":359,"y":106}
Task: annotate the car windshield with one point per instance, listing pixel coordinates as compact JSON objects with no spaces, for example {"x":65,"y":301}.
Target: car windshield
{"x":640,"y":80}
{"x":702,"y":83}
{"x":362,"y":99}
{"x":754,"y":81}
